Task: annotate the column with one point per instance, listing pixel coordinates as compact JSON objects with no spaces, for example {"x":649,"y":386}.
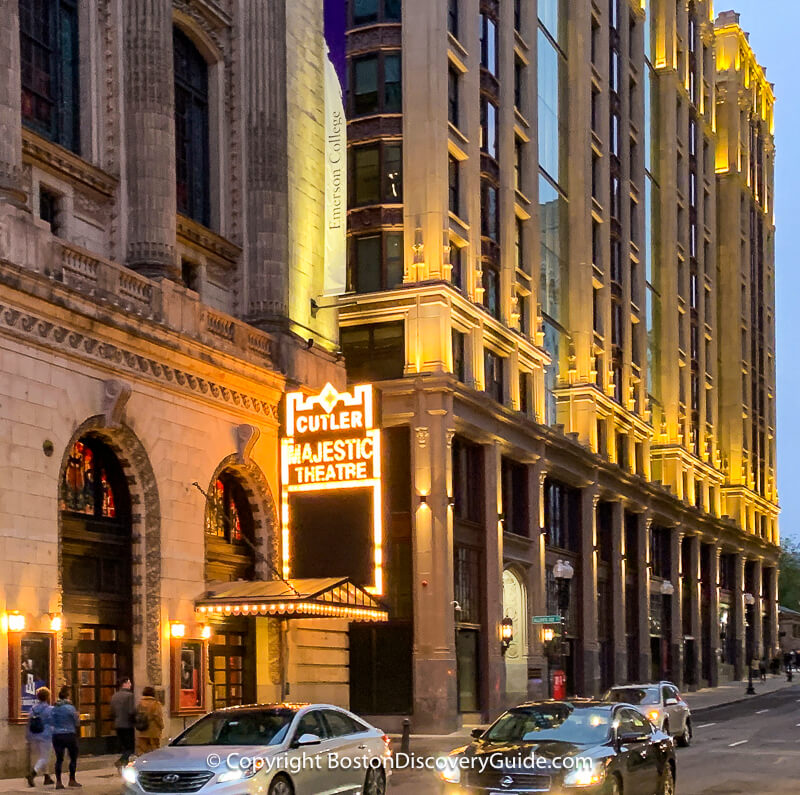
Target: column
{"x":11,"y":189}
{"x":588,"y":674}
{"x":435,"y":694}
{"x":643,"y":592}
{"x":537,"y":598}
{"x":713,"y":609}
{"x":150,"y":138}
{"x":770,"y":575}
{"x":739,"y":663}
{"x":758,"y":609}
{"x":494,"y":670}
{"x":692,"y":583}
{"x":676,"y":611}
{"x":266,"y":278}
{"x":618,"y":568}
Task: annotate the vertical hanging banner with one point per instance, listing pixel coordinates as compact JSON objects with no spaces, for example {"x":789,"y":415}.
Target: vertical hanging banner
{"x":335,"y":278}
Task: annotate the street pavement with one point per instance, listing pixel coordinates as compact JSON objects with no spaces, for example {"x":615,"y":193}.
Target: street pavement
{"x":743,"y":746}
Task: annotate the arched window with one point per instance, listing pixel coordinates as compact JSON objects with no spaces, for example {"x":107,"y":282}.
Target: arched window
{"x":191,"y":130}
{"x":48,"y":33}
{"x":92,"y":481}
{"x":229,"y":516}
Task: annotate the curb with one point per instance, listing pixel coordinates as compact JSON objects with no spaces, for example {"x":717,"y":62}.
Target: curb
{"x":739,"y":700}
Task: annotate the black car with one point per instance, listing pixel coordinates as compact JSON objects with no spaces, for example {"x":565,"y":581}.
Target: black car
{"x":564,"y":747}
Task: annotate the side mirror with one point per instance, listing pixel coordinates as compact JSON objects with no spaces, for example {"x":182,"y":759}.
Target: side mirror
{"x":670,"y":702}
{"x":476,"y":734}
{"x":307,"y":739}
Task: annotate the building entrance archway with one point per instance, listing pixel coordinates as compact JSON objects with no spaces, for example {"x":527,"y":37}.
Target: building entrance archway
{"x":516,"y":656}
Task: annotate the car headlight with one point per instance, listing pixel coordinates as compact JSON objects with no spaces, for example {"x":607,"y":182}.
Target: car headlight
{"x":654,"y":715}
{"x":586,"y":776}
{"x":449,"y":769}
{"x":241,"y":773}
{"x":129,"y":774}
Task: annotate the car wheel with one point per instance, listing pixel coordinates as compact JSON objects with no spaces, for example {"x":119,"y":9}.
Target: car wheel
{"x":685,"y":739}
{"x":281,"y":786}
{"x":614,"y":786}
{"x":375,"y":782}
{"x":668,"y":782}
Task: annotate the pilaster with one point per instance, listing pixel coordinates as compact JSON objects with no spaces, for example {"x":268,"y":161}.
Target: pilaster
{"x":494,"y":679}
{"x":618,"y":567}
{"x":691,"y":581}
{"x":643,"y":592}
{"x":676,"y":611}
{"x":11,"y":188}
{"x":589,"y":674}
{"x":713,"y":609}
{"x":739,"y":663}
{"x":758,"y":610}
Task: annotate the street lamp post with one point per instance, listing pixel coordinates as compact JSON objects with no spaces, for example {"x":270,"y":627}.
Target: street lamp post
{"x":563,"y":572}
{"x":749,"y":601}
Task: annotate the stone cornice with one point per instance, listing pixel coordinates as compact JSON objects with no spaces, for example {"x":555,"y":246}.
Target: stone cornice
{"x":37,"y":329}
{"x":63,"y":163}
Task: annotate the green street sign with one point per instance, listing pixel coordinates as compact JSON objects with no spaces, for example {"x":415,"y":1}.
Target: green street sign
{"x":546,"y":619}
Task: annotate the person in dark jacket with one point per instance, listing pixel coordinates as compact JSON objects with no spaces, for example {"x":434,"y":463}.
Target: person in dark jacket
{"x":123,"y":709}
{"x":66,"y":725}
{"x":40,"y":741}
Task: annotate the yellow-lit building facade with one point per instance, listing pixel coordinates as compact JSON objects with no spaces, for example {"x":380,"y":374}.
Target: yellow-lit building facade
{"x":539,"y":286}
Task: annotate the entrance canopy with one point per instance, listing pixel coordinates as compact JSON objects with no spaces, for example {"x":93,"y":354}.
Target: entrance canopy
{"x":323,"y":597}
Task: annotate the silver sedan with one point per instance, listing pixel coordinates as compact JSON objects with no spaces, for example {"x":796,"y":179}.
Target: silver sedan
{"x":272,"y":749}
{"x":661,"y":703}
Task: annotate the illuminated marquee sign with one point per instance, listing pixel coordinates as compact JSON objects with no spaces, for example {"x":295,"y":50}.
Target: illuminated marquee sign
{"x":331,"y":443}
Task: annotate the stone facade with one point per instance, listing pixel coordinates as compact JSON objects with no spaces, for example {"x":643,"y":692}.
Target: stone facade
{"x":100,"y":337}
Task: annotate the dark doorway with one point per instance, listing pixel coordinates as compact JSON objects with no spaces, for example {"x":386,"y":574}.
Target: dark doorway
{"x":468,"y":663}
{"x":96,"y":578}
{"x":381,"y":668}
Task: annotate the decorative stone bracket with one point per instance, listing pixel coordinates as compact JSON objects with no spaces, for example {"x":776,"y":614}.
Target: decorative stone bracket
{"x":246,"y":438}
{"x":115,"y":397}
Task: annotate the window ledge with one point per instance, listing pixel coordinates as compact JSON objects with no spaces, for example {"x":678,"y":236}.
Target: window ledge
{"x":210,"y":244}
{"x":62,"y":163}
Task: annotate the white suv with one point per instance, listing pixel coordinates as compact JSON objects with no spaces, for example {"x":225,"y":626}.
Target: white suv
{"x":661,"y":703}
{"x":278,"y":749}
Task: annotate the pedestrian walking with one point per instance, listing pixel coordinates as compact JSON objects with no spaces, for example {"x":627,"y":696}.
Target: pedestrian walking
{"x":762,"y":668}
{"x":123,"y":710}
{"x":39,"y":735}
{"x":66,"y":725}
{"x":149,"y":722}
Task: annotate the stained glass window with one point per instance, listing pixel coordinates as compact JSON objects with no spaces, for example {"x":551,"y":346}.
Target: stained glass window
{"x":86,"y":487}
{"x":228,"y":515}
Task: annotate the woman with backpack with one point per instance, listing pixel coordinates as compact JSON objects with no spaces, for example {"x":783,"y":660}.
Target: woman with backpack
{"x":66,"y":725}
{"x":149,"y":722}
{"x":39,"y":735}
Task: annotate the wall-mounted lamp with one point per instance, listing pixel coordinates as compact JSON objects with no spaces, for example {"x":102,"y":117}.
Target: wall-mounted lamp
{"x":506,"y":633}
{"x":451,"y":501}
{"x":56,"y":622}
{"x":205,"y":632}
{"x":15,"y":621}
{"x":177,"y":629}
{"x":423,"y":498}
{"x":548,"y":633}
{"x":667,"y":588}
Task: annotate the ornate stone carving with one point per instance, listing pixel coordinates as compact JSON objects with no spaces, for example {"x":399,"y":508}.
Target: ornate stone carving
{"x":423,"y":435}
{"x":115,"y":397}
{"x":246,"y":438}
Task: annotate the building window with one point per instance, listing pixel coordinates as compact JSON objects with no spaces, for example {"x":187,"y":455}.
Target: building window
{"x":49,"y":69}
{"x":190,"y":275}
{"x":372,"y":73}
{"x":467,"y":583}
{"x":562,"y":516}
{"x":376,"y":262}
{"x":228,"y":513}
{"x":49,"y":203}
{"x":453,"y":78}
{"x":191,"y":130}
{"x":489,"y":44}
{"x":459,"y":356}
{"x":457,"y":265}
{"x":491,"y":289}
{"x":454,"y":185}
{"x":367,"y":12}
{"x":519,"y":242}
{"x":90,"y":481}
{"x":377,"y":174}
{"x":452,"y":17}
{"x":490,"y":220}
{"x":519,"y":158}
{"x":493,"y":375}
{"x":489,"y":127}
{"x":514,"y":478}
{"x":467,"y":481}
{"x":519,"y":71}
{"x":524,"y":392}
{"x":374,"y":352}
{"x":518,"y":15}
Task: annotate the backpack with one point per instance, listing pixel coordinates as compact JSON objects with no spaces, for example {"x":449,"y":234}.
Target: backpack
{"x":35,"y":724}
{"x":141,"y":722}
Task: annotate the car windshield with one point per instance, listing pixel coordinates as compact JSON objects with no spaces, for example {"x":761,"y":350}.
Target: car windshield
{"x":560,"y":722}
{"x":267,"y":727}
{"x":632,"y":695}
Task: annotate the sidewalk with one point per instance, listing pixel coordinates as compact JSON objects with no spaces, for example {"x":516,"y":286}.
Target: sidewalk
{"x":731,"y":692}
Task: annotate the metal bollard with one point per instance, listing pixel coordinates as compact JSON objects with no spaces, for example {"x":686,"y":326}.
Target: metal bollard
{"x":405,"y":742}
